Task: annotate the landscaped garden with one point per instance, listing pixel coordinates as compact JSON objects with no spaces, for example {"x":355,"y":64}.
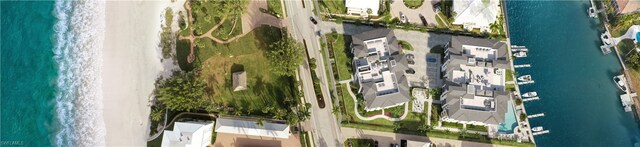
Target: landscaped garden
{"x":413,"y":4}
{"x":357,"y":142}
{"x":339,"y":43}
{"x":620,"y":24}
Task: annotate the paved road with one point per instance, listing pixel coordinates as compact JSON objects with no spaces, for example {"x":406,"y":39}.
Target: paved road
{"x":385,"y":138}
{"x":325,"y":128}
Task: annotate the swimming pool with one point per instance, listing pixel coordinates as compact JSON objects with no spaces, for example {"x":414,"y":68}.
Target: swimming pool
{"x":510,"y":121}
{"x":638,"y":37}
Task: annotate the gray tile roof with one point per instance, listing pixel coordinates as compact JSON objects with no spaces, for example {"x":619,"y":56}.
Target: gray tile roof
{"x":457,"y":41}
{"x":455,"y":111}
{"x":357,"y":41}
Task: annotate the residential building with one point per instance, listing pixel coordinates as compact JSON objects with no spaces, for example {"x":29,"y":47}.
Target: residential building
{"x":379,"y":69}
{"x":361,"y":7}
{"x":247,"y":127}
{"x":625,"y":6}
{"x":188,"y":134}
{"x":474,"y":81}
{"x":476,"y":14}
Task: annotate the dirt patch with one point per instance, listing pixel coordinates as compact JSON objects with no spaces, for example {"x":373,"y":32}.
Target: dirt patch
{"x":236,"y":140}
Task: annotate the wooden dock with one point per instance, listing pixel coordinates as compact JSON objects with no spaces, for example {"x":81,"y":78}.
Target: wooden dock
{"x":530,"y":99}
{"x":536,"y":115}
{"x":522,"y":65}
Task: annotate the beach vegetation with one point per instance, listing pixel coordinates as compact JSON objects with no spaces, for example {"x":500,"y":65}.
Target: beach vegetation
{"x":181,"y":92}
{"x":285,"y":56}
{"x":167,"y":36}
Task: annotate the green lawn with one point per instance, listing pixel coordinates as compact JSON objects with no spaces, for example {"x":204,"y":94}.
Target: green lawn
{"x":334,"y":6}
{"x":451,"y":125}
{"x":356,"y":142}
{"x":477,"y":128}
{"x":405,"y":45}
{"x":275,"y":6}
{"x":205,"y":16}
{"x":509,"y":76}
{"x":265,"y":89}
{"x":413,"y":4}
{"x":621,"y":24}
{"x":231,"y":27}
{"x":343,"y":57}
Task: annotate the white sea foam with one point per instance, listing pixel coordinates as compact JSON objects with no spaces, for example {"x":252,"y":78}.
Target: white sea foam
{"x":79,"y":35}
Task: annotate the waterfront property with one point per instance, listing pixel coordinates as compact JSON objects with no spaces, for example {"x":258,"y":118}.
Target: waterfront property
{"x":380,"y":68}
{"x":476,"y":14}
{"x":247,"y":127}
{"x":191,"y":134}
{"x":362,"y":8}
{"x":474,"y":74}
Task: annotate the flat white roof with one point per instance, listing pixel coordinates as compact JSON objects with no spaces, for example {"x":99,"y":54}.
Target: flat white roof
{"x":234,"y":126}
{"x":363,"y":5}
{"x":480,"y":52}
{"x":484,"y":78}
{"x":388,"y":82}
{"x":188,"y":134}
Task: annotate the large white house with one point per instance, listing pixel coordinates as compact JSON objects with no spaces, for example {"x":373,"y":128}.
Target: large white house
{"x":476,"y":14}
{"x":188,"y":134}
{"x":360,"y":7}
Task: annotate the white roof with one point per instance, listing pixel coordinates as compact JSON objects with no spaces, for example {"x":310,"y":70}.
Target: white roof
{"x":476,"y":12}
{"x":374,"y":5}
{"x":232,"y":126}
{"x":188,"y":134}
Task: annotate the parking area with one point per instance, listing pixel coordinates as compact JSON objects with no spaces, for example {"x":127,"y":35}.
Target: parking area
{"x":426,"y":10}
{"x":427,"y":69}
{"x":236,"y":140}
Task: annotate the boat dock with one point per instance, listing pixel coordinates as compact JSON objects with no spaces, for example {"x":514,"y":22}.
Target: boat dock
{"x":536,"y":115}
{"x":522,"y":65}
{"x":531,"y":99}
{"x":540,"y":133}
{"x":519,"y":49}
{"x":527,"y":82}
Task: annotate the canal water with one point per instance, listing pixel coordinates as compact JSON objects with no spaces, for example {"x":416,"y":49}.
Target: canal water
{"x":572,"y":76}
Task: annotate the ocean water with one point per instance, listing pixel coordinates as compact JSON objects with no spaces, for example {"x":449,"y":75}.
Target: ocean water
{"x":573,"y":78}
{"x":50,"y":75}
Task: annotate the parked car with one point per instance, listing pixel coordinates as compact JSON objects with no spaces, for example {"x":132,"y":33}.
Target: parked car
{"x":410,"y":71}
{"x":403,"y":18}
{"x":375,"y":143}
{"x":313,"y":20}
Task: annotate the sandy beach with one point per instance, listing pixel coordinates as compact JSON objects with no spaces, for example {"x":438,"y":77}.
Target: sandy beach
{"x":131,"y":65}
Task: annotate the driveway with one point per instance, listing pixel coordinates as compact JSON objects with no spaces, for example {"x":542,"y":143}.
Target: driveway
{"x":426,"y":10}
{"x":386,"y":138}
{"x":254,"y":18}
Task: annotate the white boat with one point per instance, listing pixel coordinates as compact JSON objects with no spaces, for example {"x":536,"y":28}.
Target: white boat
{"x":620,"y":82}
{"x":530,"y":94}
{"x":520,"y":54}
{"x":525,"y":78}
{"x":536,"y":129}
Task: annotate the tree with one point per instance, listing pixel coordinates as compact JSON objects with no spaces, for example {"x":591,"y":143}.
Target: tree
{"x":182,"y":92}
{"x":369,"y":11}
{"x":523,"y":116}
{"x":260,"y":122}
{"x":634,"y":59}
{"x":284,"y":56}
{"x":518,"y":101}
{"x":156,"y":114}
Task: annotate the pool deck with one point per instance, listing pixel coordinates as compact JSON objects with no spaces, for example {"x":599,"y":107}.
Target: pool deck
{"x":631,"y":34}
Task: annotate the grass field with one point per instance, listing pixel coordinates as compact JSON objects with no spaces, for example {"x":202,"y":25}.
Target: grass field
{"x":231,"y":27}
{"x":275,"y":6}
{"x":204,"y":17}
{"x":265,"y":89}
{"x":343,"y":56}
{"x":334,"y":6}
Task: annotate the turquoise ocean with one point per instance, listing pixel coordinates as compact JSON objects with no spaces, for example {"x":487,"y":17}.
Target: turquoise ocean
{"x":572,"y":76}
{"x":50,"y":59}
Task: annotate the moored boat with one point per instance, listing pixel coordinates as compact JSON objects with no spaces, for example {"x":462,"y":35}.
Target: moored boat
{"x":520,"y":54}
{"x":530,"y":94}
{"x":620,"y":82}
{"x":525,"y":78}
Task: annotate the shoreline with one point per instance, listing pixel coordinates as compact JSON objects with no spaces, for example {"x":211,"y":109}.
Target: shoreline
{"x":131,"y":64}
